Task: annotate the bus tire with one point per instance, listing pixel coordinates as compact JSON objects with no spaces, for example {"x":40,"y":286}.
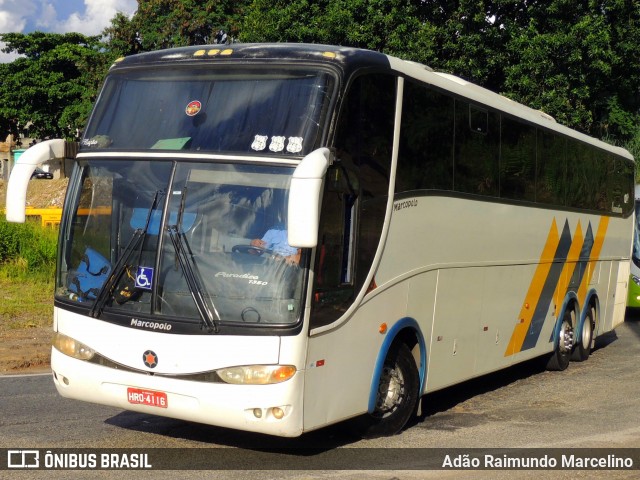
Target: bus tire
{"x":397,"y":395}
{"x":559,"y":359}
{"x":584,"y":341}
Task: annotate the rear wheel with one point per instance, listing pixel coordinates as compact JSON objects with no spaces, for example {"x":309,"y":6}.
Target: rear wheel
{"x":561,"y":355}
{"x":397,"y":396}
{"x":585,"y":337}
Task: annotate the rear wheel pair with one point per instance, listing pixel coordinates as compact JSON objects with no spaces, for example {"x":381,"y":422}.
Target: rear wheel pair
{"x":565,"y":351}
{"x":584,"y":342}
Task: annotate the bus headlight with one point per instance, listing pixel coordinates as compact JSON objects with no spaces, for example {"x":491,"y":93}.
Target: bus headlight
{"x":636,"y":280}
{"x":71,"y":347}
{"x":256,"y":374}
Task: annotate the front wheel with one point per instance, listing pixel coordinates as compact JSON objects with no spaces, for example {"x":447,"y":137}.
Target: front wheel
{"x":397,"y":395}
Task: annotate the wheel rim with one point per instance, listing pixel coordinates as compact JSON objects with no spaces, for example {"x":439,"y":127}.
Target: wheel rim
{"x":587,"y":329}
{"x":565,"y":341}
{"x":391,"y":391}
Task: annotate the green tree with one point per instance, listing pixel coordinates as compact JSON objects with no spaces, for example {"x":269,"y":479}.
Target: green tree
{"x":394,"y":26}
{"x":159,"y":24}
{"x":52,"y":86}
{"x":121,"y":36}
{"x":578,"y":61}
{"x":465,"y":37}
{"x":575,"y":59}
{"x":468,"y":40}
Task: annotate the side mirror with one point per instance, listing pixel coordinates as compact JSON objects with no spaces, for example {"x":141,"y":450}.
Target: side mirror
{"x":21,"y":174}
{"x":304,"y":199}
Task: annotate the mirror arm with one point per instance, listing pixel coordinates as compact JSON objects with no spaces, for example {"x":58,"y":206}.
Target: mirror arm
{"x":21,"y":174}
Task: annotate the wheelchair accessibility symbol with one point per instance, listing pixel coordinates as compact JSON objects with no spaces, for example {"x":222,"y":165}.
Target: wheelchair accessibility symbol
{"x":144,"y":278}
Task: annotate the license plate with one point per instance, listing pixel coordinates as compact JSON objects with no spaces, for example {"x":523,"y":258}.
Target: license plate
{"x":141,"y":396}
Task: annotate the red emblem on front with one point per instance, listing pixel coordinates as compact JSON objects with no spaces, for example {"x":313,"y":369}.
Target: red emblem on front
{"x":193,"y":108}
{"x":150,"y":359}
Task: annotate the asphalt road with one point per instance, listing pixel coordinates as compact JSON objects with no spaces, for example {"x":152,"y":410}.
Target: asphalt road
{"x":595,"y":404}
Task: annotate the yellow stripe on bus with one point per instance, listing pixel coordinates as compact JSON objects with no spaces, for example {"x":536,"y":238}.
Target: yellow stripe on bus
{"x":535,"y":290}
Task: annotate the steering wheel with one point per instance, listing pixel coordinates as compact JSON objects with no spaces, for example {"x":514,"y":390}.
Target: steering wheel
{"x":250,"y":250}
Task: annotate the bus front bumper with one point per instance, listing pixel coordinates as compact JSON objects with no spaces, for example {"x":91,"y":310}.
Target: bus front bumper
{"x":271,"y":409}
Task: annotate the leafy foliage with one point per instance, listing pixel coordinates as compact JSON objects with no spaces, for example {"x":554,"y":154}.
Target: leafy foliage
{"x":574,"y":59}
{"x":162,"y":24}
{"x":395,"y":27}
{"x":52,"y":86}
{"x":577,"y":60}
{"x":27,"y":250}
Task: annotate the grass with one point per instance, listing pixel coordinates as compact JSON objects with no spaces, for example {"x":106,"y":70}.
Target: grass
{"x":26,"y":304}
{"x":27,"y":263}
{"x":27,"y":269}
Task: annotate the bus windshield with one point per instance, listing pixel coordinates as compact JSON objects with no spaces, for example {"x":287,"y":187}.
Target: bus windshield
{"x":200,"y":244}
{"x":211,"y":110}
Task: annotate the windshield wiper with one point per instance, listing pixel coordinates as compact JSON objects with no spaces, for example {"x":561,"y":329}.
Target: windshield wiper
{"x":184,"y":254}
{"x":210,"y":318}
{"x":137,"y":237}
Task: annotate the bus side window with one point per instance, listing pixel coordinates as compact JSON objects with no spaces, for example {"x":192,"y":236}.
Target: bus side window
{"x":477,"y":150}
{"x":517,"y":160}
{"x":425,"y":156}
{"x":620,"y":181}
{"x":336,"y":247}
{"x":551,"y":168}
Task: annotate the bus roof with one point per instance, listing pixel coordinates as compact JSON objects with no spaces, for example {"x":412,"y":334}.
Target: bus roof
{"x":349,"y":60}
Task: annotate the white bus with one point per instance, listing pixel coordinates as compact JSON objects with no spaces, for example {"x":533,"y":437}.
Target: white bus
{"x":276,"y":238}
{"x":633,"y":300}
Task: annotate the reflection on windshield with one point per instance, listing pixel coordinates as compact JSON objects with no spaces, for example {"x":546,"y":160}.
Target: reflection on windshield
{"x":120,"y":284}
{"x":189,"y":267}
{"x":213,"y":111}
{"x":193,"y":225}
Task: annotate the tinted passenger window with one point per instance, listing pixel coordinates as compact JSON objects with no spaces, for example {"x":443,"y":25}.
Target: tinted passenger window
{"x":517,"y":160}
{"x":551,"y":169}
{"x":477,"y":150}
{"x":425,"y":158}
{"x":587,"y":182}
{"x":620,"y":184}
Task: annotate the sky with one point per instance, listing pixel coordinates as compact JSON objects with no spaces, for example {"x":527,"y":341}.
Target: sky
{"x":88,"y":17}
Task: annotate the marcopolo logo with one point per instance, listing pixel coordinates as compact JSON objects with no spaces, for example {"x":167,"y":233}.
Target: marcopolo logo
{"x":405,"y":204}
{"x":135,"y":322}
